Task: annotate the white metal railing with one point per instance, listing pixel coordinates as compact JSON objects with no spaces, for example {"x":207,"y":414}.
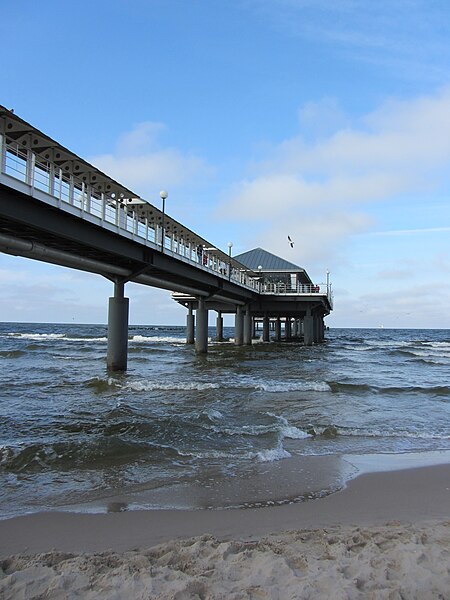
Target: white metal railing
{"x":268,"y":287}
{"x":284,"y":289}
{"x":71,"y":192}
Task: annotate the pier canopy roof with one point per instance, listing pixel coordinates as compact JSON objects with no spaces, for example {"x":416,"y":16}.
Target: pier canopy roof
{"x":262,"y":261}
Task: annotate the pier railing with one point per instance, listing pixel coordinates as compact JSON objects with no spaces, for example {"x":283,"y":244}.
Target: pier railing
{"x":27,"y":171}
{"x":23,"y":169}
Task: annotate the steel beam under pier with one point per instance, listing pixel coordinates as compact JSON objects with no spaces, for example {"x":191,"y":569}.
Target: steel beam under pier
{"x":201,"y":331}
{"x":118,"y":309}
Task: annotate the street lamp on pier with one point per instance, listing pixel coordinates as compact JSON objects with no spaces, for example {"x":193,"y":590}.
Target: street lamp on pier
{"x":230,"y":245}
{"x":163,"y":195}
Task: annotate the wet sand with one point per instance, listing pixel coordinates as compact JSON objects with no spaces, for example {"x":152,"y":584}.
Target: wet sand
{"x":384,"y":535}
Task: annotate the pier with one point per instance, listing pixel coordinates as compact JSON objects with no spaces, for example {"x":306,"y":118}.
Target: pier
{"x":57,"y":208}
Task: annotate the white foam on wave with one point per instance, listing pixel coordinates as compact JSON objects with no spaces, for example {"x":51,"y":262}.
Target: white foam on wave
{"x":214,"y":414}
{"x":431,"y":353}
{"x":155,"y":339}
{"x":55,"y":336}
{"x":272,"y":454}
{"x":266,"y":455}
{"x":388,"y":343}
{"x":293,"y":386}
{"x":423,"y":435}
{"x":36,"y":336}
{"x":248,"y":430}
{"x":150,"y":386}
{"x":273,"y":385}
{"x":280,"y":427}
{"x":287,"y":430}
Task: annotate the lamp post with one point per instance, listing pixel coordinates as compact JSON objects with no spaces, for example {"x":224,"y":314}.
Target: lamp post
{"x":230,"y":245}
{"x":163,"y":195}
{"x":260,"y":277}
{"x":328,"y":282}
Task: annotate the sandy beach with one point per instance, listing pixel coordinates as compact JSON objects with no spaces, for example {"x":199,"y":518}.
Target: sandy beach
{"x":386,"y":535}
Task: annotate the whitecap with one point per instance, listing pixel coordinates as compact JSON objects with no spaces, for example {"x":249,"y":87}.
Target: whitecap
{"x":154,"y":339}
{"x":270,"y":455}
{"x":289,"y":431}
{"x":149,"y":386}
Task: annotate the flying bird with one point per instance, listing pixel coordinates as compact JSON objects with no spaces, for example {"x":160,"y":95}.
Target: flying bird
{"x":291,"y":243}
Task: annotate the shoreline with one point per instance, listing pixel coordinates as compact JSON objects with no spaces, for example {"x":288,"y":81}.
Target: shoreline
{"x":385,"y":535}
{"x":414,"y":495}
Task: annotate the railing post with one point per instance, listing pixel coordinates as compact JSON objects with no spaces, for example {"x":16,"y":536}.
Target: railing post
{"x":71,"y":189}
{"x":60,"y":179}
{"x":2,"y":153}
{"x":51,"y":178}
{"x":29,"y":173}
{"x":88,"y":198}
{"x":103,"y":201}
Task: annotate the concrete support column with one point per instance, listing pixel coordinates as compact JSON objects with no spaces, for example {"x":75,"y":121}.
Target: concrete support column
{"x":190,"y":326}
{"x":315,"y":329}
{"x":287,"y":329}
{"x":300,"y":327}
{"x":308,"y":325}
{"x":294,"y":329}
{"x":239,"y":326}
{"x":320,"y":329}
{"x":248,"y":329}
{"x":201,"y":331}
{"x":266,"y":323}
{"x":219,"y":326}
{"x":118,"y":309}
{"x":278,"y":330}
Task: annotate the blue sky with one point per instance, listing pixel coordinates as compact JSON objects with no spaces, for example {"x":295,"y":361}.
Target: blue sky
{"x":325,"y":120}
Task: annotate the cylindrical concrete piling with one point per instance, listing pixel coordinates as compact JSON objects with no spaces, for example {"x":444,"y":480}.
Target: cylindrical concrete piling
{"x":266,"y":322}
{"x":190,"y":326}
{"x":278,"y":330}
{"x":287,"y":329}
{"x":248,"y":328}
{"x":201,"y":331}
{"x":308,"y":330}
{"x":219,"y":327}
{"x":118,"y":309}
{"x":239,"y":326}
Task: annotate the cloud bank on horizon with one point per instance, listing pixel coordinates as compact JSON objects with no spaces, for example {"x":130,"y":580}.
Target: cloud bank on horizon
{"x":328,"y":122}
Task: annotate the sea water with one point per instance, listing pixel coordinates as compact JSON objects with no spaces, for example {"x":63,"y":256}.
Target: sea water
{"x":241,"y":426}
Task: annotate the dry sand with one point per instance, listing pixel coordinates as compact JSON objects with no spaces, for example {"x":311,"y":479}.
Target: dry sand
{"x":387,"y":535}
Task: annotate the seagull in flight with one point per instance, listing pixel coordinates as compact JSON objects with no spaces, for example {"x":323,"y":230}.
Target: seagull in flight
{"x":291,"y":243}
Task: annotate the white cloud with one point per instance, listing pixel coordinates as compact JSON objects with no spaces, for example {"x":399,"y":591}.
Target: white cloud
{"x":140,"y":163}
{"x":394,"y":307}
{"x":418,"y":231}
{"x":318,"y":192}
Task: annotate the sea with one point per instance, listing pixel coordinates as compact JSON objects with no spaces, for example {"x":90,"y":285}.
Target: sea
{"x":267,"y":424}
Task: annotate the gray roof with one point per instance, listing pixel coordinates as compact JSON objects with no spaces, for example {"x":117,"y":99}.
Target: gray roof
{"x":268,"y":261}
